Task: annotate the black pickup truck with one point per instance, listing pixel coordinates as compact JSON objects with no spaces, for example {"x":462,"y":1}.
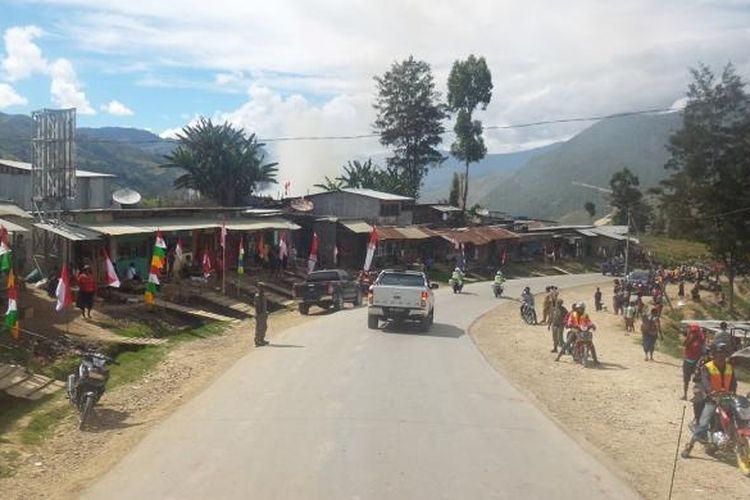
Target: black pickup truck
{"x":326,"y":289}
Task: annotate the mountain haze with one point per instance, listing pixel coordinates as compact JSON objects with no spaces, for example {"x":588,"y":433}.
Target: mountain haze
{"x":483,"y":175}
{"x":132,"y":155}
{"x":543,"y":187}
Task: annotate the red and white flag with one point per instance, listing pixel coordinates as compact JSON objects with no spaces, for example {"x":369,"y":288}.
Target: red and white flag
{"x":313,"y":260}
{"x":207,"y":266}
{"x":371,"y":246}
{"x":283,"y":248}
{"x":223,"y":235}
{"x":63,"y":293}
{"x":505,"y":256}
{"x":112,"y":279}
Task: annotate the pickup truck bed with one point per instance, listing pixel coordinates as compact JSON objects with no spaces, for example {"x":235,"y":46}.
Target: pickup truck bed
{"x":400,"y":296}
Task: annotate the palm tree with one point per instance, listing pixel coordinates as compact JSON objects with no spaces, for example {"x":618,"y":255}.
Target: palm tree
{"x":220,"y":162}
{"x":329,"y":184}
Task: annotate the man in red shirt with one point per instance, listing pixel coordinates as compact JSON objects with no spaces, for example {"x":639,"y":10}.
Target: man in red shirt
{"x":694,"y":346}
{"x":86,"y":291}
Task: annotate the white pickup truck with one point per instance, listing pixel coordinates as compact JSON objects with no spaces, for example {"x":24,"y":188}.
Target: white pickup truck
{"x":401,"y":296}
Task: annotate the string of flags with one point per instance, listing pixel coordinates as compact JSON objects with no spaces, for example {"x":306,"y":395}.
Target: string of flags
{"x":158,"y":259}
{"x":6,"y":267}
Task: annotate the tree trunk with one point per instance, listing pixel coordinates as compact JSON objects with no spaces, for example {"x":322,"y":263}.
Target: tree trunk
{"x":466,"y":187}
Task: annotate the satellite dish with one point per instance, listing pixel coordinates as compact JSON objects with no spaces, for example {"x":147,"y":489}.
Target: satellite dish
{"x":302,"y":205}
{"x":126,"y":196}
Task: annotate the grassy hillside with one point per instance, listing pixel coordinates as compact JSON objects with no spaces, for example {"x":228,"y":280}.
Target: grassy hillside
{"x":130,"y":154}
{"x":543,"y":188}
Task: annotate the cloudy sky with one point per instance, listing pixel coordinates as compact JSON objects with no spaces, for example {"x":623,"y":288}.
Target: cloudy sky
{"x":305,"y":67}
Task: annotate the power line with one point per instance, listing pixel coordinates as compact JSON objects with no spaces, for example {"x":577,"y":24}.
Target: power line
{"x":713,"y":216}
{"x":373,"y":135}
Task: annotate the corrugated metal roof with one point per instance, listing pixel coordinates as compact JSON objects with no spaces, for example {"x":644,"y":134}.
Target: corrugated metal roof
{"x":22,"y":165}
{"x":358,"y":227}
{"x":478,"y":235}
{"x":72,"y":232}
{"x":14,"y":210}
{"x":413,"y":233}
{"x":445,"y":208}
{"x":11,"y":227}
{"x":371,"y":193}
{"x":386,"y":233}
{"x":261,"y":224}
{"x":144,"y":226}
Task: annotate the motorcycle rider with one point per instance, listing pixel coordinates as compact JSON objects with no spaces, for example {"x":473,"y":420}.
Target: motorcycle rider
{"x":458,"y":276}
{"x":578,"y":321}
{"x":717,"y":378}
{"x":499,"y":278}
{"x":527,"y":300}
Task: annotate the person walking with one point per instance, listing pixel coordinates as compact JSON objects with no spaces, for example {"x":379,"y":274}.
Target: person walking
{"x":557,"y":325}
{"x":261,"y":316}
{"x":547,"y":306}
{"x":650,"y":331}
{"x":86,"y":291}
{"x":598,"y":299}
{"x":694,"y":345}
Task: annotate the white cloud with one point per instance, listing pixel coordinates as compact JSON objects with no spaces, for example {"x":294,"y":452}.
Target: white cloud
{"x":65,"y":89}
{"x":117,"y":108}
{"x":9,"y":97}
{"x":268,"y":114}
{"x":23,"y":57}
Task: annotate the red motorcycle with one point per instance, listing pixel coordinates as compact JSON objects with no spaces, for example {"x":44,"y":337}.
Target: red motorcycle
{"x":583,"y":349}
{"x":729,"y":432}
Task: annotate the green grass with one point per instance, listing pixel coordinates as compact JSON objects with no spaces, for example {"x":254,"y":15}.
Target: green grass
{"x":42,"y":424}
{"x":133,"y":330}
{"x":8,"y":463}
{"x":670,"y":251}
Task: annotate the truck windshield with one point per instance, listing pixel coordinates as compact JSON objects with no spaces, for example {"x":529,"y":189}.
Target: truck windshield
{"x":323,"y":276}
{"x":397,"y":279}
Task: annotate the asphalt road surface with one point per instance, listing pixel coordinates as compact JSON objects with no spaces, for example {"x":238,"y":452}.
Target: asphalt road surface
{"x":333,"y":410}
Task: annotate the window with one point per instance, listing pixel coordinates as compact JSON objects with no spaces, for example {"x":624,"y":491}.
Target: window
{"x":399,"y":279}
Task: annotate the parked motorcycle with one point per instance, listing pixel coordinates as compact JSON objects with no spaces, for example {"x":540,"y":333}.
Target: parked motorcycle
{"x":456,"y":285}
{"x":528,"y":313}
{"x":86,"y":386}
{"x":729,"y":432}
{"x":583,"y":348}
{"x":497,"y":289}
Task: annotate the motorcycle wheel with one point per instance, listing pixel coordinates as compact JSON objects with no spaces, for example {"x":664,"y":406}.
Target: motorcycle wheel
{"x":742,"y":451}
{"x":88,"y":407}
{"x":585,"y":357}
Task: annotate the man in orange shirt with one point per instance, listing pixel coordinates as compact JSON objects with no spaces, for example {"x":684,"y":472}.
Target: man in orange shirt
{"x":86,"y":291}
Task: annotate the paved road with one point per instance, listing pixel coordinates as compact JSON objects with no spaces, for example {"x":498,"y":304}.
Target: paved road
{"x":333,"y":410}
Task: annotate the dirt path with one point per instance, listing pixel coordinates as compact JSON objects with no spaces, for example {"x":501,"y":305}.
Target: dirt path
{"x":69,"y":459}
{"x":630,"y":409}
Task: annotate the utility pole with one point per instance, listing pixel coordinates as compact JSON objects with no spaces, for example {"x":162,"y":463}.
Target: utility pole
{"x":627,"y":245}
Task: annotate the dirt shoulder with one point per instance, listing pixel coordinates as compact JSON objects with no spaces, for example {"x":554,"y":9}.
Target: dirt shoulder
{"x":629,"y":408}
{"x":64,"y":464}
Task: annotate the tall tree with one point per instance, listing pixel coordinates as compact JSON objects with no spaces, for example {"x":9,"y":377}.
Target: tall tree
{"x":706,"y":195}
{"x":220,"y":162}
{"x":409,"y":121}
{"x":454,"y":197}
{"x":590,"y":208}
{"x":628,"y":200}
{"x":469,"y":86}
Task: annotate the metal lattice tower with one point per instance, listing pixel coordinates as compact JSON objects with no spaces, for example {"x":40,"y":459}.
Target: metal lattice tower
{"x":53,"y":155}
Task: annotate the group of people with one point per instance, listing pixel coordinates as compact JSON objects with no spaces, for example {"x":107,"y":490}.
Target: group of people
{"x":629,"y":302}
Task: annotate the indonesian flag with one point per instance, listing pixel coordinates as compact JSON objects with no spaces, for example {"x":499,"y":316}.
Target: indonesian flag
{"x":112,"y":279}
{"x":4,"y":250}
{"x":158,"y":257}
{"x":241,"y":259}
{"x":313,"y":260}
{"x":505,"y":256}
{"x":207,"y":266}
{"x":11,"y":315}
{"x":283,"y":249}
{"x":287,"y":187}
{"x":371,"y":246}
{"x":63,"y":293}
{"x":179,"y":255}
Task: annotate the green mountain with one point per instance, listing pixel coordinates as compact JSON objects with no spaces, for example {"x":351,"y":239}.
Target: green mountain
{"x":483,"y":175}
{"x":132,"y":155}
{"x":544,"y":186}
